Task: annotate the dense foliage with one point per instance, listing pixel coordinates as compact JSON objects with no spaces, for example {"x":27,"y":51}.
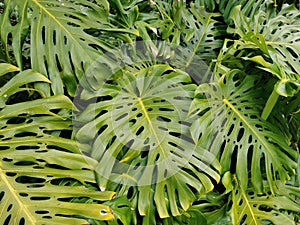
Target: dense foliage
{"x":149,"y":112}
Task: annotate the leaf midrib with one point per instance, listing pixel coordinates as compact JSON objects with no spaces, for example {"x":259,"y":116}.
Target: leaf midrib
{"x":249,"y":207}
{"x":199,"y":41}
{"x":261,"y":140}
{"x":140,"y":101}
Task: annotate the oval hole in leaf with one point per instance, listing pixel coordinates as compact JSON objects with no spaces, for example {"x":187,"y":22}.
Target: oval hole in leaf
{"x":2,"y":195}
{"x":23,"y":194}
{"x":29,"y":180}
{"x":40,"y":198}
{"x":41,"y":212}
{"x":9,"y":207}
{"x":24,"y":163}
{"x":22,"y":221}
{"x":10,"y":174}
{"x":6,"y":222}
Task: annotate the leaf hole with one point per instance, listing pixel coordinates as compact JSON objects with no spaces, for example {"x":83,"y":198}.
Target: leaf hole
{"x":166,"y":109}
{"x":122,"y":116}
{"x":54,"y":37}
{"x":140,"y":130}
{"x":7,"y":220}
{"x":243,"y":219}
{"x":10,"y":174}
{"x":240,"y":134}
{"x":59,"y":67}
{"x":44,"y":34}
{"x":26,"y":147}
{"x":16,"y":120}
{"x":7,"y":159}
{"x":22,"y":221}
{"x":102,"y":129}
{"x":163,"y":128}
{"x":24,"y":163}
{"x":163,"y":119}
{"x":29,"y":180}
{"x":23,"y":194}
{"x":26,"y":134}
{"x":9,"y":207}
{"x":145,"y":151}
{"x":47,"y":217}
{"x":2,"y":193}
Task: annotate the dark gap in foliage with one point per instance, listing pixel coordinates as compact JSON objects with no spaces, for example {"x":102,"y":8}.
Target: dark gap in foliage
{"x":10,"y":174}
{"x":25,"y":163}
{"x":22,"y":194}
{"x":71,"y":61}
{"x":145,"y":151}
{"x":7,"y":220}
{"x":55,"y":166}
{"x":25,"y":134}
{"x":102,"y":129}
{"x":5,"y":159}
{"x":4,"y":148}
{"x":29,"y":180}
{"x":47,"y":217}
{"x":44,"y":35}
{"x":42,"y":212}
{"x":104,"y":98}
{"x":58,"y":64}
{"x":140,"y":130}
{"x":57,"y":148}
{"x":2,"y":193}
{"x":40,"y":198}
{"x":14,"y":17}
{"x":233,"y":160}
{"x":66,"y":182}
{"x":163,"y":119}
{"x":16,"y":120}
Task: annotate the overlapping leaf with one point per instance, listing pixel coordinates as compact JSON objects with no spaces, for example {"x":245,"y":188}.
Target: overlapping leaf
{"x":251,"y":208}
{"x":140,"y":126}
{"x":277,"y":36}
{"x":60,"y":47}
{"x":34,"y":160}
{"x":230,"y":126}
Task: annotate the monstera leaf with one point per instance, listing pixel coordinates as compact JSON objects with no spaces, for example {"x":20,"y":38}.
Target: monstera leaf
{"x":60,"y":47}
{"x":231,"y":127}
{"x":276,"y":35}
{"x":250,"y":208}
{"x":35,"y":162}
{"x":138,"y":128}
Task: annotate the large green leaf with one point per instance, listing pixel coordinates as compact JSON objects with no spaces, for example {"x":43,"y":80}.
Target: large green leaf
{"x":250,"y":208}
{"x":230,"y":126}
{"x":276,"y":35}
{"x":60,"y":47}
{"x":139,"y":130}
{"x":34,"y":160}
